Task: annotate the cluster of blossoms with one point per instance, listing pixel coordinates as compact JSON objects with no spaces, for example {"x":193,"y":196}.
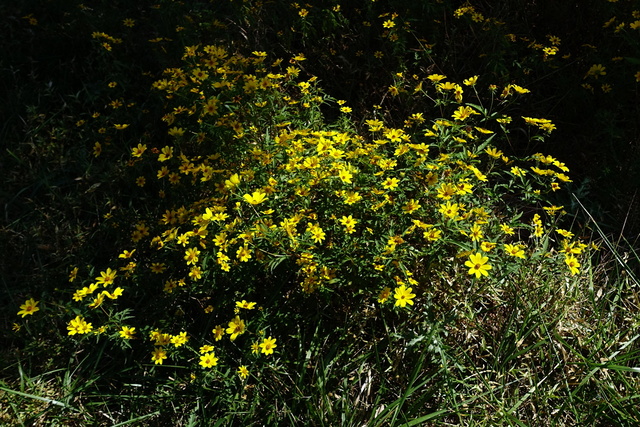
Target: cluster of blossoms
{"x":343,"y":209}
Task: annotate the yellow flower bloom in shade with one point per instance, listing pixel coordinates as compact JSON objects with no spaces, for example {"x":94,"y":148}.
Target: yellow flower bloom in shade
{"x":79,"y":326}
{"x":158,"y":355}
{"x":139,"y":150}
{"x":195,"y":273}
{"x":403,"y":296}
{"x":384,"y":294}
{"x":176,"y":131}
{"x":206,"y":349}
{"x":218,"y":332}
{"x":165,"y":154}
{"x":596,"y":70}
{"x":267,"y":345}
{"x":246,"y":305}
{"x":106,"y":277}
{"x":243,"y":253}
{"x":471,"y":81}
{"x":236,"y":327}
{"x":127,"y":332}
{"x":30,"y":306}
{"x":73,"y":274}
{"x":255,"y":198}
{"x":191,"y":256}
{"x":126,"y":254}
{"x":574,"y":265}
{"x":477,"y":264}
{"x":243,"y":372}
{"x":158,"y":267}
{"x":518,"y":171}
{"x":208,"y":360}
{"x":514,"y":250}
{"x":436,"y":77}
{"x":463,"y":113}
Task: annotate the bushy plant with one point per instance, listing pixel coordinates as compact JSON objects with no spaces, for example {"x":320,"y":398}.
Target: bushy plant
{"x":254,"y":183}
{"x":257,"y":239}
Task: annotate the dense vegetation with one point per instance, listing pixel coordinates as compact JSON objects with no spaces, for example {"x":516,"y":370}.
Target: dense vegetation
{"x":359,"y":213}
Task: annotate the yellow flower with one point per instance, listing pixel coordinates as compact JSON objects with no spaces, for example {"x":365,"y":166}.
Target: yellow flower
{"x":236,"y":327}
{"x":191,"y":256}
{"x":471,"y":81}
{"x":487,"y":246}
{"x":463,"y":113}
{"x":390,"y":183}
{"x":403,"y":296}
{"x":208,"y":360}
{"x":596,"y":70}
{"x":345,"y":176}
{"x":514,"y":250}
{"x":206,"y":349}
{"x":436,"y":77}
{"x":349,"y":223}
{"x":139,"y":150}
{"x":432,"y":234}
{"x":478,"y":265}
{"x":243,"y":253}
{"x":384,"y":294}
{"x":106,"y":277}
{"x":79,"y":326}
{"x":411,"y":206}
{"x":267,"y":345}
{"x":255,"y":198}
{"x":127,"y":332}
{"x":243,"y":372}
{"x":158,"y":355}
{"x":218,"y":332}
{"x":573,"y":264}
{"x":246,"y":305}
{"x":29,"y":307}
{"x":449,"y":210}
{"x":179,"y":340}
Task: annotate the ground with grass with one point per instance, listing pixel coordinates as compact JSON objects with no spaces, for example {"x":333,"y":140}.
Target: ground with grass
{"x":369,"y":213}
